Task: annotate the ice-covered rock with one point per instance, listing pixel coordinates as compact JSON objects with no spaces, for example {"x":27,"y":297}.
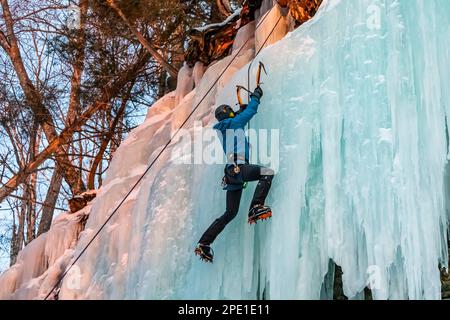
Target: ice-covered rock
{"x":185,"y":83}
{"x":358,"y":98}
{"x":163,"y":105}
{"x":40,"y":264}
{"x":197,"y":73}
{"x":270,"y":27}
{"x":360,"y":110}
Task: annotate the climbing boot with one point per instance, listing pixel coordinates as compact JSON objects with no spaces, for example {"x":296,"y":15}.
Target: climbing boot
{"x":205,"y":252}
{"x":259,"y":212}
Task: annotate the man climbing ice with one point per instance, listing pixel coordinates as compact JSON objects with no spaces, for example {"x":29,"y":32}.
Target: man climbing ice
{"x":238,"y":171}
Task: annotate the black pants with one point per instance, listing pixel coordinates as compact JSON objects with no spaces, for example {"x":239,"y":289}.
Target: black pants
{"x":249,"y":173}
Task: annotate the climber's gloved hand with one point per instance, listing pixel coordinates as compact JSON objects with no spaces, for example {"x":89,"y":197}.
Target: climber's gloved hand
{"x":258,"y":93}
{"x":241,"y":108}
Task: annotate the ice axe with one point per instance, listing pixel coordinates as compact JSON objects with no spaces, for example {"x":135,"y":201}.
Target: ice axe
{"x":238,"y":92}
{"x":261,"y":67}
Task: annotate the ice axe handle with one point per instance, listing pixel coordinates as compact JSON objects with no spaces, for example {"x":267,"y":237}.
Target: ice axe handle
{"x":238,"y":92}
{"x":258,"y":74}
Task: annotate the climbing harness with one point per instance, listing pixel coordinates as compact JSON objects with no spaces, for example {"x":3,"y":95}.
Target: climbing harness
{"x":231,"y":179}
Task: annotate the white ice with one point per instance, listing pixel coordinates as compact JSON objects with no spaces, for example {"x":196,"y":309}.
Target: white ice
{"x":359,"y":97}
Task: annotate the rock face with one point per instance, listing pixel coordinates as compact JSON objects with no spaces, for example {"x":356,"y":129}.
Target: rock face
{"x":213,"y":42}
{"x":80,"y":201}
{"x":301,"y":10}
{"x":445,"y":280}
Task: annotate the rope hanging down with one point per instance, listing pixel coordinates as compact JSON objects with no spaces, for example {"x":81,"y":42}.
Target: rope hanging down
{"x":250,"y":66}
{"x":160,"y":153}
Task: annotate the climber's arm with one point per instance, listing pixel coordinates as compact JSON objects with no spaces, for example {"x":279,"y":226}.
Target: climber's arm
{"x":241,"y":119}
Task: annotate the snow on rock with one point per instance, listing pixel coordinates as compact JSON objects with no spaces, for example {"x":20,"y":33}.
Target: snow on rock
{"x":376,"y":209}
{"x":37,"y":262}
{"x":185,"y":83}
{"x":163,"y":105}
{"x":182,"y":111}
{"x":136,"y":149}
{"x":197,"y":73}
{"x":80,"y":201}
{"x":232,"y":17}
{"x":63,"y":234}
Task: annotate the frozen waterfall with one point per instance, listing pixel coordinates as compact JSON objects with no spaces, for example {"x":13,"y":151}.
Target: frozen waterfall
{"x":357,"y":99}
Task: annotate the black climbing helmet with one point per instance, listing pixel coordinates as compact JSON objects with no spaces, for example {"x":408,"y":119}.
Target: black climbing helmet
{"x":224,"y":112}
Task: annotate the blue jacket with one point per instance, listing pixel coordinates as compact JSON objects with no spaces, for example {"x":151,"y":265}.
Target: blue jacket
{"x":235,"y":127}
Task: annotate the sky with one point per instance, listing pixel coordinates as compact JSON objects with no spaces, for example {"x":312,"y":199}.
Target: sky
{"x":6,"y":214}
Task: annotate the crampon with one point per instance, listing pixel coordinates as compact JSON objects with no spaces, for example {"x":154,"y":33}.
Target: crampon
{"x":259,"y":213}
{"x":204,"y":252}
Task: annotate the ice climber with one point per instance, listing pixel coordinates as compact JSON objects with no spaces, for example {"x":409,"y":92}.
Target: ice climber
{"x":238,"y":171}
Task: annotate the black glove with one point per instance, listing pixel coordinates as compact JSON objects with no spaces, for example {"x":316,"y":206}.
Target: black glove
{"x":241,"y":108}
{"x":258,"y":92}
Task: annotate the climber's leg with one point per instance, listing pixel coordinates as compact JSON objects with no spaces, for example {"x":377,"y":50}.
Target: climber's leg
{"x":263,"y":187}
{"x":233,"y":201}
{"x":265,"y":176}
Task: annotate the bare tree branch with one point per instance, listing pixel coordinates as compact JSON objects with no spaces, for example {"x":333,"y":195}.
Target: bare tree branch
{"x":109,"y":92}
{"x":170,"y":69}
{"x":35,"y":101}
{"x":107,"y":139}
{"x":4,"y":42}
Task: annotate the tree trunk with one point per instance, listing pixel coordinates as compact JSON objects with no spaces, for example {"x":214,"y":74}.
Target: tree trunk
{"x":31,"y":188}
{"x":170,"y":69}
{"x":117,"y":137}
{"x":35,"y":101}
{"x":29,"y":212}
{"x":80,"y":154}
{"x":17,"y":243}
{"x":13,"y":243}
{"x":111,"y":90}
{"x":50,"y":201}
{"x":100,"y":166}
{"x":73,"y":111}
{"x":79,"y":42}
{"x":100,"y":174}
{"x":78,"y":66}
{"x":162,"y":84}
{"x":99,"y":157}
